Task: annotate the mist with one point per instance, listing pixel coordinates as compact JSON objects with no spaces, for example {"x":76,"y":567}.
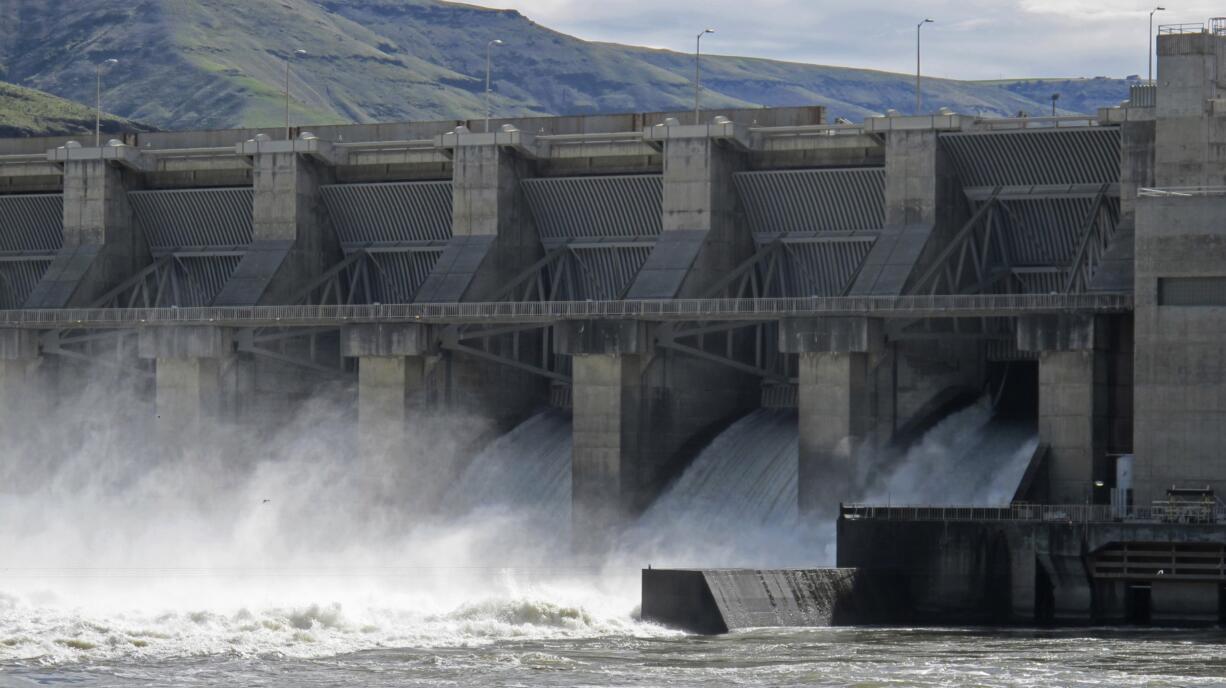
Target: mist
{"x":250,"y":533}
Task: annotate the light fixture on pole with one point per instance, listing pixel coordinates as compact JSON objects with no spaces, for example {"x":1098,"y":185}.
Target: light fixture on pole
{"x":489,"y":61}
{"x":698,"y":71}
{"x":918,"y":100}
{"x":296,"y":53}
{"x":98,"y":100}
{"x":1054,"y":98}
{"x":1150,"y":60}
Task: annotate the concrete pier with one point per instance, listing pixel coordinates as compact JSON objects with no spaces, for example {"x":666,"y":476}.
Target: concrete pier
{"x":102,"y":243}
{"x":292,"y":239}
{"x":833,"y":401}
{"x":612,"y":457}
{"x":392,"y":365}
{"x":189,"y":363}
{"x":1073,"y":401}
{"x":641,"y":409}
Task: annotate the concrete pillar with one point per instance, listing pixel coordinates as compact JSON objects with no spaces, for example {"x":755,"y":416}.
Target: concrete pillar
{"x":292,"y":240}
{"x":189,"y":389}
{"x":921,"y":209}
{"x":704,"y":234}
{"x":392,"y":364}
{"x":102,"y":243}
{"x":613,"y":445}
{"x":833,"y":402}
{"x":607,"y":456}
{"x":386,"y":385}
{"x":493,"y":236}
{"x":1073,"y":401}
{"x":20,"y":394}
{"x":493,"y":240}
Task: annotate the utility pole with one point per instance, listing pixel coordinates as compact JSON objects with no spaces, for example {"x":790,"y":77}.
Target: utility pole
{"x":918,"y":99}
{"x":489,"y":61}
{"x":291,"y":56}
{"x":698,"y":72}
{"x":98,"y":100}
{"x":1150,"y":60}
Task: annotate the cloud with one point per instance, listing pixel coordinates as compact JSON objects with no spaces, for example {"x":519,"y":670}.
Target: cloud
{"x":971,"y":39}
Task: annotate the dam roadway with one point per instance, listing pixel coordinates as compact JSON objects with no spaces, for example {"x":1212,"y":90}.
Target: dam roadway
{"x":544,"y":312}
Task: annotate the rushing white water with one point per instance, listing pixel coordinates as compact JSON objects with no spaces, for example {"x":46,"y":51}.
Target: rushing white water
{"x":967,"y":458}
{"x":525,"y":470}
{"x":247,"y":544}
{"x":735,"y":505}
{"x":282,"y":543}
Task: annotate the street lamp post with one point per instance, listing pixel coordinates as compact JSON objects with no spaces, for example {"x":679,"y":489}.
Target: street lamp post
{"x":291,"y":56}
{"x":918,"y":99}
{"x":98,"y":99}
{"x":1054,"y":98}
{"x":1150,"y":60}
{"x":698,"y":72}
{"x":489,"y":61}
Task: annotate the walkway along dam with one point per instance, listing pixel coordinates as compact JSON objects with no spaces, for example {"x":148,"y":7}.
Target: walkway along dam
{"x":657,"y":278}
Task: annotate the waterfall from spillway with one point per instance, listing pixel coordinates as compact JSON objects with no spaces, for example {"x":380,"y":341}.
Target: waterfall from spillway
{"x":968,"y":458}
{"x":525,"y":470}
{"x":736,"y":503}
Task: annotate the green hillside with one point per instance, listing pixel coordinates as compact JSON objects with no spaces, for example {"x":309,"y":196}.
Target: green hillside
{"x":27,"y":112}
{"x":220,"y":63}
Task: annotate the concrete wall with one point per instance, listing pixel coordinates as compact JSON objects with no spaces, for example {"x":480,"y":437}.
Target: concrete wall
{"x":1179,"y":366}
{"x":957,"y":572}
{"x":1190,"y":143}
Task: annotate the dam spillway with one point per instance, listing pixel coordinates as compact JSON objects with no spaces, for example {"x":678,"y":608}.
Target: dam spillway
{"x":658,"y":281}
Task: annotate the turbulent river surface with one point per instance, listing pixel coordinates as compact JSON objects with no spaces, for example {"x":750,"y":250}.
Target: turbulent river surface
{"x":289,"y":562}
{"x":540,"y":644}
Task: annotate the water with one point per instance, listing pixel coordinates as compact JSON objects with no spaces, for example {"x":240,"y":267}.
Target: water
{"x":265,"y":561}
{"x":776,"y":657}
{"x":967,"y":458}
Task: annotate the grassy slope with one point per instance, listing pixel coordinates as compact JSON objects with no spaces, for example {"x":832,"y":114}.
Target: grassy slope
{"x":26,"y":112}
{"x":220,"y":63}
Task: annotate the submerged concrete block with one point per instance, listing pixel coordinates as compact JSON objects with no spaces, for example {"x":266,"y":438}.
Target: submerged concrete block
{"x":720,"y":600}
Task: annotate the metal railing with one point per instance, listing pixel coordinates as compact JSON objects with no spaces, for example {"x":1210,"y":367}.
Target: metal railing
{"x":1045,"y":122}
{"x":1169,"y":512}
{"x":970,"y":305}
{"x":1187,"y":27}
{"x":1182,"y":191}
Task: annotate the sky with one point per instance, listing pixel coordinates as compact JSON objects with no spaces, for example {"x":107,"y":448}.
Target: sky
{"x":969,"y":39}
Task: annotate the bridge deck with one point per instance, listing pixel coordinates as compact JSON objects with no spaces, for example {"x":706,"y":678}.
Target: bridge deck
{"x":544,"y":312}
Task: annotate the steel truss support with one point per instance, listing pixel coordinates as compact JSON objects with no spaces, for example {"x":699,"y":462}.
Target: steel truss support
{"x":1096,"y":233}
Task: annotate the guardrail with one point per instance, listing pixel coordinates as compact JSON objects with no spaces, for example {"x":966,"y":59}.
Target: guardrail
{"x":1182,"y":191}
{"x":971,"y":305}
{"x":1045,"y":122}
{"x":1187,"y":27}
{"x":1048,"y":513}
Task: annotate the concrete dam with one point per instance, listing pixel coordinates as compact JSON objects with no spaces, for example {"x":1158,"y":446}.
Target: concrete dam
{"x":747,"y":327}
